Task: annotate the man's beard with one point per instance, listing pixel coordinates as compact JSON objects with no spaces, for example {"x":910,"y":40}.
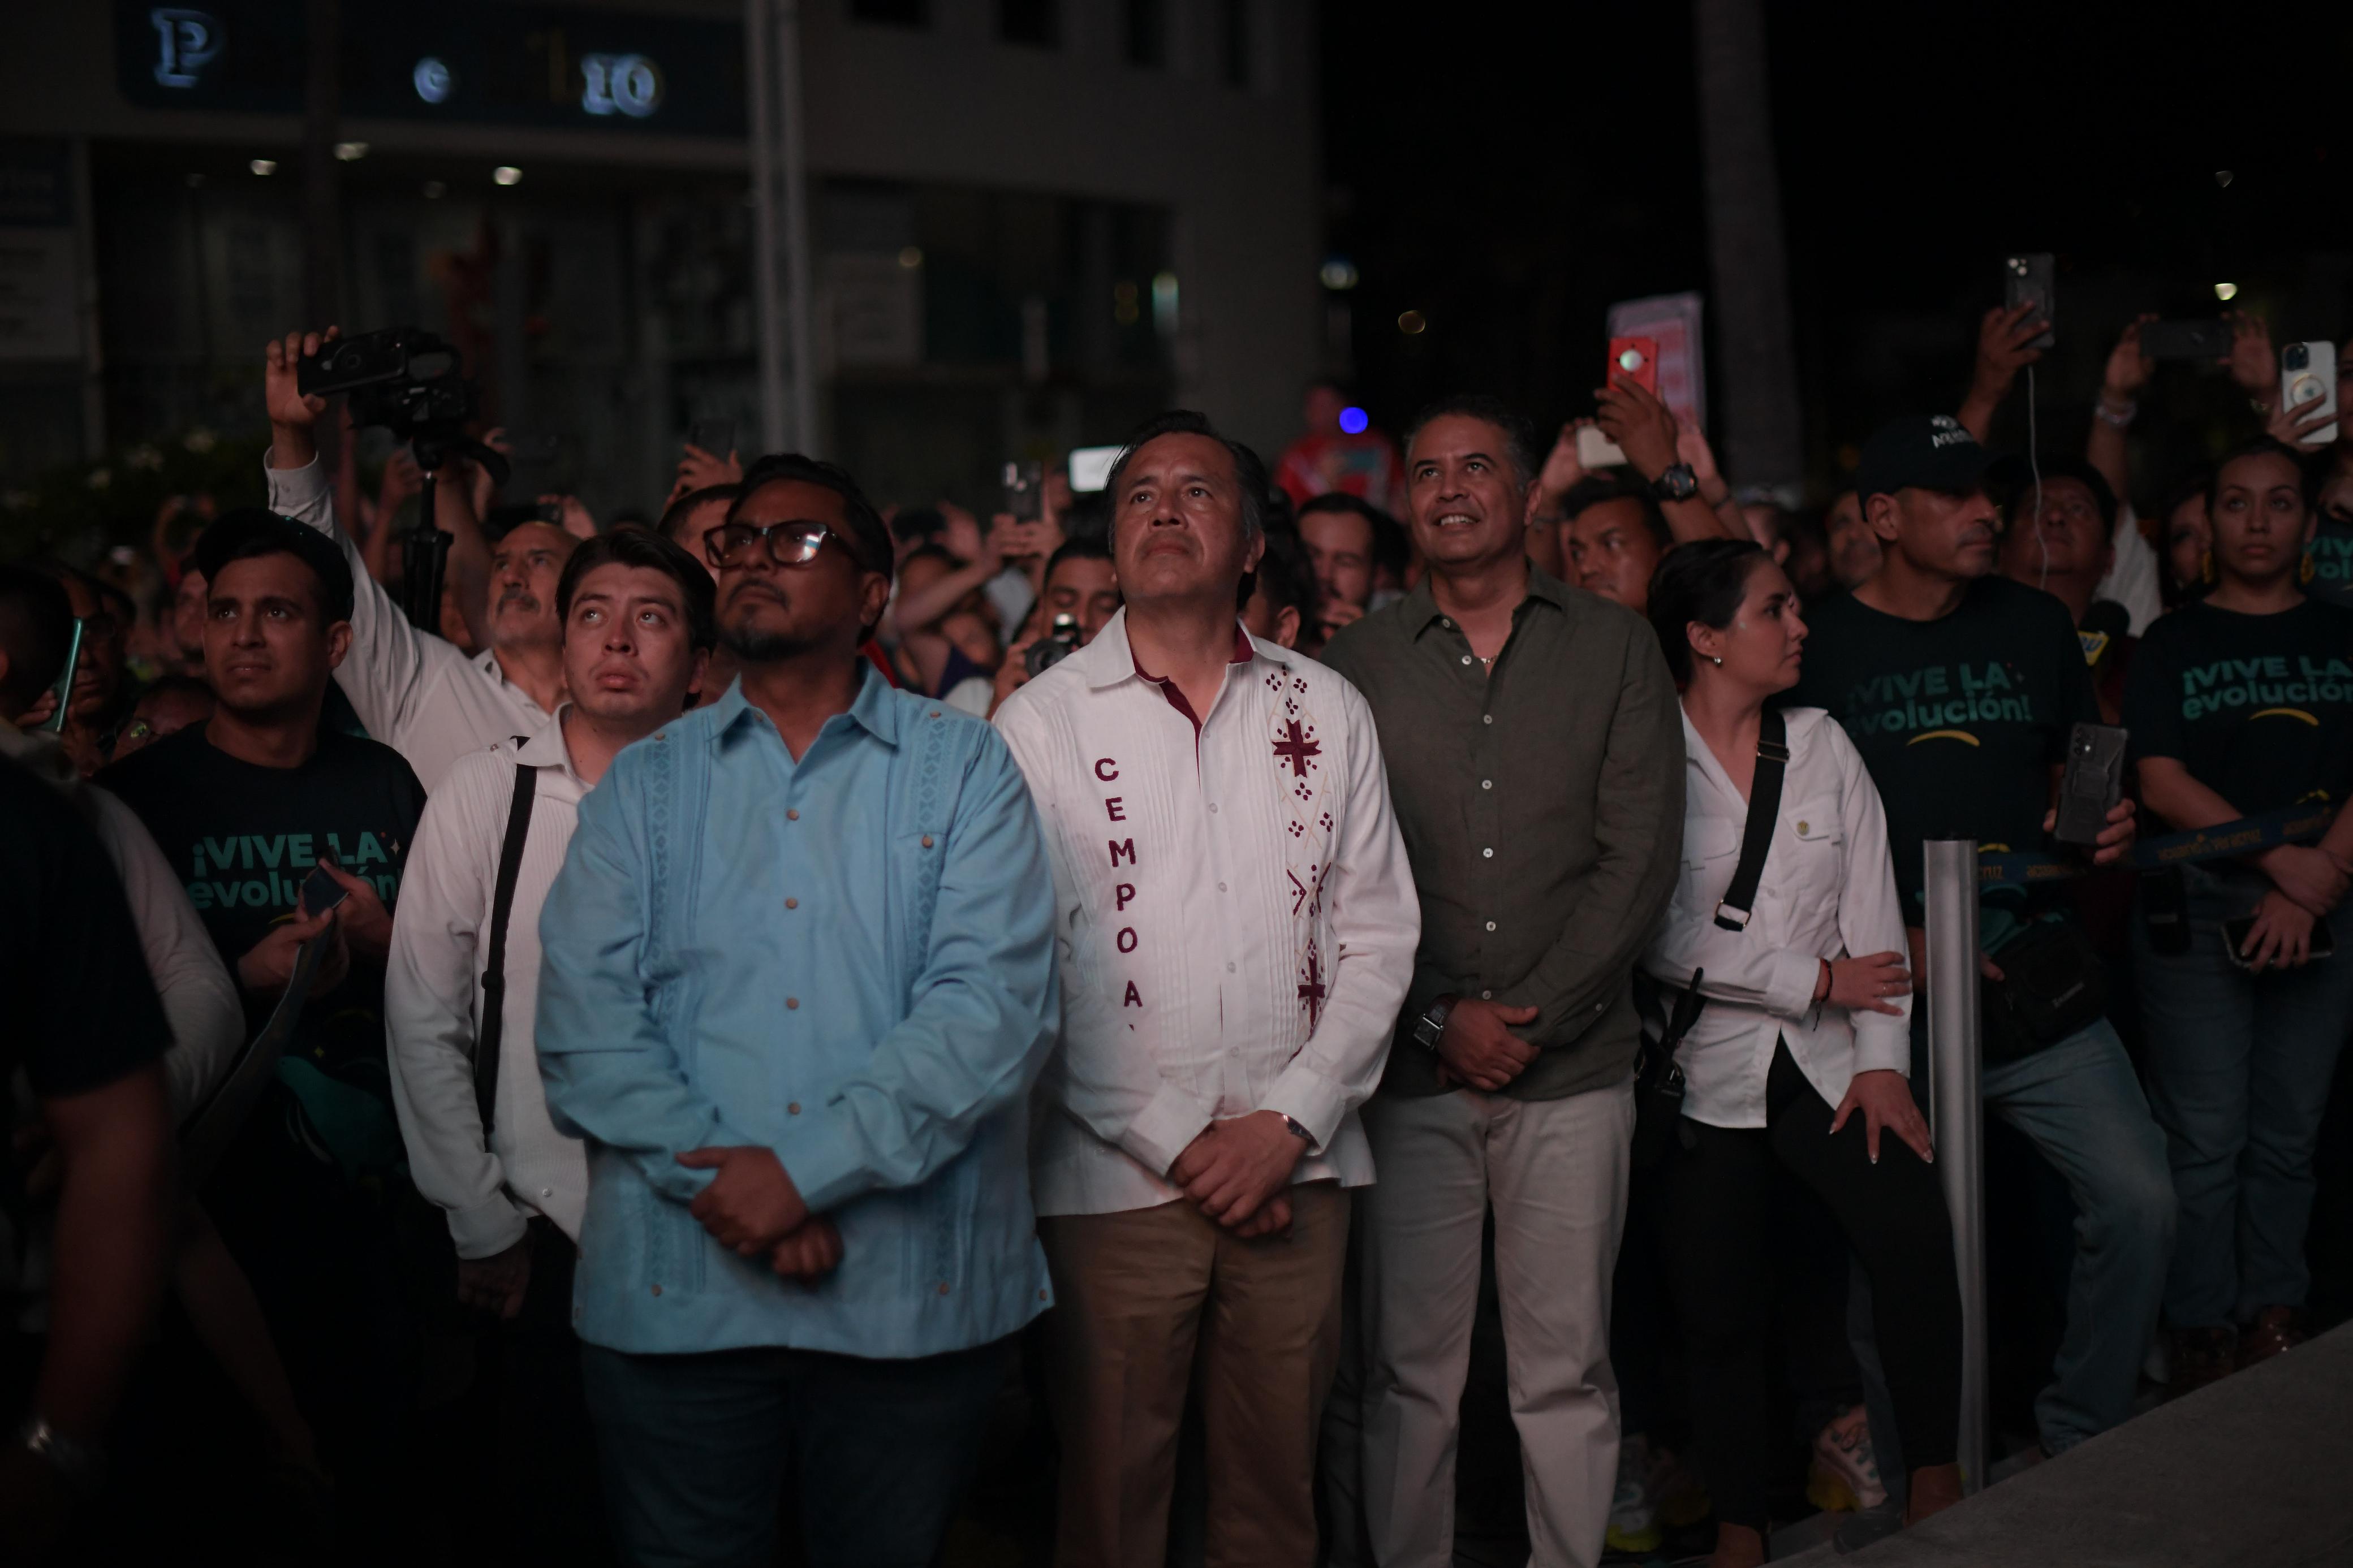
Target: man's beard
{"x":757,"y":645}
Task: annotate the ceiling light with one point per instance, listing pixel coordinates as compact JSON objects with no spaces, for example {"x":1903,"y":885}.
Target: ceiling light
{"x":506,"y":174}
{"x":350,"y":151}
{"x":1413,"y":323}
{"x":2226,"y":290}
{"x":264,"y":166}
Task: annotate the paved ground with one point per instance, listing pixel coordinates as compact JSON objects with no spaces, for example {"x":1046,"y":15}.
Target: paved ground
{"x":2253,"y":1472}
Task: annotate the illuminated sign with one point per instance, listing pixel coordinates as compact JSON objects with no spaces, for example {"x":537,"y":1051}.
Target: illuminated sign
{"x":452,"y":61}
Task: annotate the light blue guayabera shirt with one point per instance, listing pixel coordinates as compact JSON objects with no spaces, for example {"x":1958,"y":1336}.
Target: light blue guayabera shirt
{"x":849,"y":960}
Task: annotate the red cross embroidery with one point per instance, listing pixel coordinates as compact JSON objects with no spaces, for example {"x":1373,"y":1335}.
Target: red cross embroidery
{"x":1297,"y":748}
{"x":1311,"y":990}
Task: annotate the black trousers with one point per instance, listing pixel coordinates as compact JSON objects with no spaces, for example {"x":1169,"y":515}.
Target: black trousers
{"x":1714,"y":1236}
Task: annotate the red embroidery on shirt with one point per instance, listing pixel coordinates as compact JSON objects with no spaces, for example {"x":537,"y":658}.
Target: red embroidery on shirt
{"x":1299,"y":747}
{"x":1311,"y":986}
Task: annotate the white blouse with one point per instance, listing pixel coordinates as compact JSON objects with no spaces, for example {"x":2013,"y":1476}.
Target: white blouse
{"x":1828,"y":892}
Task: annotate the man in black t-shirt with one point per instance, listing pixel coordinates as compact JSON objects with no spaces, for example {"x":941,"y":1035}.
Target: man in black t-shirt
{"x":85,"y":1025}
{"x":1960,"y":688}
{"x":248,"y":805}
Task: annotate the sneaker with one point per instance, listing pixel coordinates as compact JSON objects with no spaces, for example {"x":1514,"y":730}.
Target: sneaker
{"x":2275,"y":1329}
{"x":1633,"y":1516}
{"x":1845,"y":1473}
{"x":2197,"y":1357}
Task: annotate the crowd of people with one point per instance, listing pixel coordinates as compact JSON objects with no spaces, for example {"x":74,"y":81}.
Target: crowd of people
{"x":767,"y":1007}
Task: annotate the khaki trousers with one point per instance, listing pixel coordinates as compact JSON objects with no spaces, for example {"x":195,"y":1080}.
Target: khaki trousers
{"x":1556,"y":1172}
{"x":1153,"y":1303}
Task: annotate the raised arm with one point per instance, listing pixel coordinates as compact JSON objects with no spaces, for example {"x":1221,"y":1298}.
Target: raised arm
{"x":1645,"y":429}
{"x":2004,"y":337}
{"x":2127,"y":373}
{"x":984,"y":1014}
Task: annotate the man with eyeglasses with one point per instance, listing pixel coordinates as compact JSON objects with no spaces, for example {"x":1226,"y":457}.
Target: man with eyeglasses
{"x":796,"y":977}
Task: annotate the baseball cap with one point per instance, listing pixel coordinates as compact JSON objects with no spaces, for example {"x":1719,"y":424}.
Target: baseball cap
{"x":251,"y":530}
{"x":1932,"y":451}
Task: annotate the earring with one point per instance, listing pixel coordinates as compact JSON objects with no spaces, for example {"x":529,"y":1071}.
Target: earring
{"x":1716,"y":659}
{"x":2206,"y":567}
{"x":2305,"y":572}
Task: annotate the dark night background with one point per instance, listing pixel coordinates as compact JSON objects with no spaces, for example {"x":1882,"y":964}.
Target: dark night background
{"x":1510,"y":171}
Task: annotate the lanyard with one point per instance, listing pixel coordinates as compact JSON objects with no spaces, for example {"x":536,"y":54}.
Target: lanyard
{"x":2247,"y":836}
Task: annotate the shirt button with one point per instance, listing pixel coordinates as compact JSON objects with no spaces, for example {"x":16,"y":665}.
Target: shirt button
{"x":927,"y":841}
{"x":1447,"y":624}
{"x":943,"y":1287}
{"x":791,"y":1003}
{"x":792,"y":903}
{"x":1042,"y":1296}
{"x":1230,"y":967}
{"x":547,"y":1192}
{"x":1486,"y":717}
{"x":792,"y":816}
{"x":794,"y":1108}
{"x":1599,"y":1007}
{"x":1491,"y":925}
{"x":657,"y":1289}
{"x":1486,"y":784}
{"x":1221,"y":887}
{"x":1213,"y":808}
{"x":1466,"y":659}
{"x":1486,"y":996}
{"x":1487,"y":854}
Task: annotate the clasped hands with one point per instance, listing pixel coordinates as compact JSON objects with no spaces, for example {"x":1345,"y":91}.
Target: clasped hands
{"x":753,"y":1207}
{"x":1239,"y":1172}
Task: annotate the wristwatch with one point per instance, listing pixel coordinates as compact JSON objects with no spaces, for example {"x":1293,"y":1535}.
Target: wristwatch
{"x":1678,"y":483}
{"x":1298,"y":1130}
{"x":1430,"y":1027}
{"x":81,"y":1468}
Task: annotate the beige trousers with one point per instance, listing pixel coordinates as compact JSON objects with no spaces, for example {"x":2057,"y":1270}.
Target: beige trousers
{"x":1153,"y":1303}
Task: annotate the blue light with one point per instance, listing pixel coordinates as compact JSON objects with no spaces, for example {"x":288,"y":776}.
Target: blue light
{"x":432,"y":81}
{"x":1354,"y":421}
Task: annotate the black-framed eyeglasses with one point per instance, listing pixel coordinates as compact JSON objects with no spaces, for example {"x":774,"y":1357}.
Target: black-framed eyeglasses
{"x":792,"y":543}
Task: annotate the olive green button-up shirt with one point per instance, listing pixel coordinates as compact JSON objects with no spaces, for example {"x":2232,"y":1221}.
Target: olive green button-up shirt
{"x":1542,"y":808}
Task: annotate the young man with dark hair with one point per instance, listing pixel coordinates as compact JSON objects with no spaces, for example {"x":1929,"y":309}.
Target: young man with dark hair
{"x":417,"y":693}
{"x":1613,"y":534}
{"x":637,"y":631}
{"x":246,"y":808}
{"x":1535,"y":753}
{"x":1236,"y":923}
{"x":1960,"y":687}
{"x":690,"y":519}
{"x":1080,"y":581}
{"x":796,"y":977}
{"x":1343,"y":545}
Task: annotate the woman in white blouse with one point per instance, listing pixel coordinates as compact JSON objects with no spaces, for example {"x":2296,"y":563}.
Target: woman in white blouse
{"x":1799,"y":1058}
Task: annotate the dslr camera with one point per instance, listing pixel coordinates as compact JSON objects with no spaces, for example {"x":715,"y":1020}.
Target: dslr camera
{"x":1061,"y":641}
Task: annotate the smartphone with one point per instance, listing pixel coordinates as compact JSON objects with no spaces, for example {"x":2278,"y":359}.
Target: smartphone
{"x":2030,"y":279}
{"x":1090,"y":467}
{"x":1597,"y":451}
{"x":321,"y":892}
{"x":2201,"y":340}
{"x":2095,"y":782}
{"x":549,"y":511}
{"x":1025,"y":486}
{"x":2309,"y":385}
{"x":2235,"y":934}
{"x":62,"y":687}
{"x":1635,"y":360}
{"x":716,"y":436}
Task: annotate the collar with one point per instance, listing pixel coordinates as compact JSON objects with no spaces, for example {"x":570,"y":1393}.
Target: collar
{"x":1111,"y":657}
{"x":873,"y":710}
{"x":547,"y":748}
{"x":1422,"y":611}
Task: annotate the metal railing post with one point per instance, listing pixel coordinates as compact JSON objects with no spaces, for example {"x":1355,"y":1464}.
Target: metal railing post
{"x":1956,"y":1115}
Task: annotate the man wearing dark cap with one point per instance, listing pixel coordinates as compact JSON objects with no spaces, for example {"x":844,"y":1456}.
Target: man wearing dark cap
{"x":246,"y":807}
{"x":1959,"y":687}
{"x":796,"y":977}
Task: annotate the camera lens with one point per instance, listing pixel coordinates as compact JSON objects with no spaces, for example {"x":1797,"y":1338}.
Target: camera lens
{"x":2296,"y":357}
{"x":1629,"y":359}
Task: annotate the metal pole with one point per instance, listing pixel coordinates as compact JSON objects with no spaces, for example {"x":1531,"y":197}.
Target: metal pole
{"x":759,"y":38}
{"x":1956,"y":1115}
{"x":780,"y":227}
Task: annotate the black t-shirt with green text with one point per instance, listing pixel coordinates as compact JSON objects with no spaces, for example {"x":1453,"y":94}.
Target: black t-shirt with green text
{"x":243,"y":837}
{"x":2258,"y":708}
{"x":1959,"y":720}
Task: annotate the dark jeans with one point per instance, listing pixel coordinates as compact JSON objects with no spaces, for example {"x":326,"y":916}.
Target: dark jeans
{"x":547,"y":1510}
{"x":1714,"y":1235}
{"x":695,"y":1449}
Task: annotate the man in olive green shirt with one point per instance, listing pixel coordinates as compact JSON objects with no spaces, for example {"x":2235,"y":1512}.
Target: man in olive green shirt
{"x":1534,"y":756}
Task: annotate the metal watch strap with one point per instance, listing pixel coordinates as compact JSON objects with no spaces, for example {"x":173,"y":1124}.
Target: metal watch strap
{"x":1298,"y":1130}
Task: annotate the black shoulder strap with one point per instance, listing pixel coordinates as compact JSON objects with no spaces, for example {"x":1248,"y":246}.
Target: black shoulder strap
{"x":1756,"y":837}
{"x":494,"y":968}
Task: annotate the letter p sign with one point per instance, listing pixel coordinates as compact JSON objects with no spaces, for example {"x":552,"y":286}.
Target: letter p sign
{"x":185,"y":42}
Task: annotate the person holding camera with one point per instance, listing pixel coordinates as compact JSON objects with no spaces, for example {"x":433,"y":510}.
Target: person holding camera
{"x":1961,"y":689}
{"x":416,"y":692}
{"x":2240,"y":704}
{"x":1799,"y":1055}
{"x":1081,"y":596}
{"x":1237,"y":923}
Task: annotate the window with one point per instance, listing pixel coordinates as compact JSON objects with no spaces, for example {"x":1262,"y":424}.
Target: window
{"x":892,"y":13}
{"x":1235,"y":41}
{"x":1148,"y":33}
{"x":1029,"y":22}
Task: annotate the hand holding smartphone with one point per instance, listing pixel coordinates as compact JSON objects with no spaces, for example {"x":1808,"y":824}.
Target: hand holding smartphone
{"x":2308,"y":387}
{"x":321,"y":892}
